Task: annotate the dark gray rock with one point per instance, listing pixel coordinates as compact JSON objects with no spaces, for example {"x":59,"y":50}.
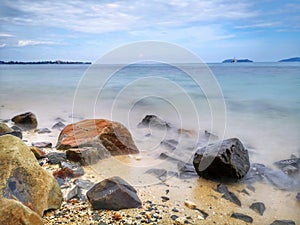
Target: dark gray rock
{"x":228,"y":195}
{"x":258,"y":207}
{"x":59,"y":125}
{"x":288,"y":162}
{"x":56,"y":157}
{"x":290,"y":170}
{"x":114,"y":194}
{"x":186,"y":170}
{"x":155,"y":122}
{"x":43,"y":144}
{"x":43,"y":131}
{"x":259,"y":172}
{"x":226,"y":161}
{"x":169,"y":143}
{"x":16,"y":128}
{"x":243,"y":217}
{"x":14,"y":133}
{"x":74,"y":193}
{"x":298,"y":196}
{"x":161,"y":174}
{"x":283,"y":222}
{"x":26,"y":121}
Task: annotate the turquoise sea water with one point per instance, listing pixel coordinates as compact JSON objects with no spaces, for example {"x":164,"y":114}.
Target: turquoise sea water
{"x":262,"y":100}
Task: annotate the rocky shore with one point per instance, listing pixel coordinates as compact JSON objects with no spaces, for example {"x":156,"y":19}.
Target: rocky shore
{"x":80,"y":178}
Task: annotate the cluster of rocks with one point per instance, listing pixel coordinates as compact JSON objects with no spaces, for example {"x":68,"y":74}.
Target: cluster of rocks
{"x":32,"y":190}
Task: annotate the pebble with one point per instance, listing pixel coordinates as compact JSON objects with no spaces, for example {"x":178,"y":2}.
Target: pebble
{"x":243,"y":217}
{"x":190,"y":204}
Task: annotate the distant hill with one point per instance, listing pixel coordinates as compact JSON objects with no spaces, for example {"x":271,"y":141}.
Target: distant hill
{"x":44,"y":62}
{"x":295,"y":59}
{"x":236,"y":60}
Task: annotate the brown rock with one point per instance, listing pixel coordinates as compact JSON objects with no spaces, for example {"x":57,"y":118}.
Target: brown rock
{"x":26,"y":121}
{"x":22,"y":178}
{"x":4,"y":128}
{"x":64,"y":173}
{"x":38,"y":153}
{"x":96,"y":133}
{"x":13,"y":212}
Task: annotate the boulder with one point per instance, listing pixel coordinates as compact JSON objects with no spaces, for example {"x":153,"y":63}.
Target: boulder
{"x":150,"y":121}
{"x":113,"y":136}
{"x":26,"y":121}
{"x":4,"y":128}
{"x":226,"y":161}
{"x":13,"y":212}
{"x":22,"y":179}
{"x":114,"y":194}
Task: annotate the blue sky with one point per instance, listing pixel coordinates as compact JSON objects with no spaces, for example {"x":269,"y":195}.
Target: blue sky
{"x":261,"y":30}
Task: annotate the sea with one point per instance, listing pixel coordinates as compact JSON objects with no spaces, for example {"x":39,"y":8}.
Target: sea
{"x":259,"y":103}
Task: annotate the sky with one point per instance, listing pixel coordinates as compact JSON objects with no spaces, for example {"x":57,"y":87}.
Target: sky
{"x":84,"y":30}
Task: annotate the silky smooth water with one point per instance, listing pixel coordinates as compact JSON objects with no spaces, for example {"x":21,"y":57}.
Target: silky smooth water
{"x":262,"y":100}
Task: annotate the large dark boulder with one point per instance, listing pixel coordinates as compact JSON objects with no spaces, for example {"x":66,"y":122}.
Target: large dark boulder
{"x":26,"y":121}
{"x":225,"y":161}
{"x":114,"y":194}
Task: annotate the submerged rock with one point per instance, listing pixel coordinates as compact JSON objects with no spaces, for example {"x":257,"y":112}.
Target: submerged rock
{"x":42,"y":144}
{"x":258,"y":207}
{"x":283,"y":222}
{"x":225,"y":161}
{"x":169,"y":143}
{"x":13,"y":212}
{"x":26,"y":121}
{"x":243,"y":217}
{"x":99,"y":132}
{"x":22,"y":179}
{"x":59,"y":125}
{"x":114,"y":194}
{"x":43,"y":131}
{"x":161,"y":174}
{"x":150,"y":121}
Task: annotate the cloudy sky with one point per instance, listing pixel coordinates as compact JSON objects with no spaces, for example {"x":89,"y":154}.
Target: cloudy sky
{"x":261,"y":30}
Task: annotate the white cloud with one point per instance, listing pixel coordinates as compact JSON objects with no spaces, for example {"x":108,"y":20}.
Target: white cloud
{"x":22,"y":43}
{"x":100,"y":17}
{"x":259,"y":25}
{"x":2,"y":45}
{"x":6,"y":35}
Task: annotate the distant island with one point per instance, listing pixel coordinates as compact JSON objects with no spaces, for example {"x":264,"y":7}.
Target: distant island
{"x":43,"y":62}
{"x":294,"y":59}
{"x":236,"y":60}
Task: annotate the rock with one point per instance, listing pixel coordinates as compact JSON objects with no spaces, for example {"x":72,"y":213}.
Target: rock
{"x":22,"y":178}
{"x":170,"y":144}
{"x":150,"y":121}
{"x":65,"y":173}
{"x":283,"y":222}
{"x":38,"y":153}
{"x":87,"y":155}
{"x":190,"y":204}
{"x":165,"y":198}
{"x":74,"y":193}
{"x":224,"y":161}
{"x":84,"y":184}
{"x":43,"y":130}
{"x":26,"y":121}
{"x":210,"y":136}
{"x":99,"y":132}
{"x":114,"y":194}
{"x":288,"y":162}
{"x":258,"y":207}
{"x":42,"y":144}
{"x":56,"y":157}
{"x":228,"y":195}
{"x":159,"y":173}
{"x":13,"y":212}
{"x":298,"y":196}
{"x":58,"y":119}
{"x":186,"y":170}
{"x":174,"y":217}
{"x":243,"y":217}
{"x":16,"y":128}
{"x":77,"y":170}
{"x":186,"y":132}
{"x":14,"y":133}
{"x":59,"y":126}
{"x":4,"y":128}
{"x":290,"y":170}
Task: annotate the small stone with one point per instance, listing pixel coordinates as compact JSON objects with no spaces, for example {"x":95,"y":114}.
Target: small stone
{"x":298,"y":196}
{"x":74,"y":193}
{"x":56,"y":157}
{"x":117,"y":216}
{"x":230,"y":196}
{"x":258,"y":207}
{"x":78,"y":170}
{"x":38,"y":153}
{"x":190,"y":204}
{"x":175,"y":210}
{"x":64,"y":173}
{"x":43,"y":131}
{"x":59,"y":126}
{"x":84,"y":184}
{"x":289,"y":170}
{"x":43,"y":144}
{"x":243,"y":217}
{"x":174,"y":217}
{"x":283,"y":222}
{"x":165,"y":198}
{"x":180,"y":221}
